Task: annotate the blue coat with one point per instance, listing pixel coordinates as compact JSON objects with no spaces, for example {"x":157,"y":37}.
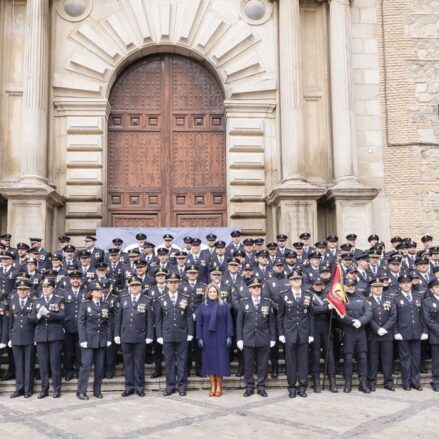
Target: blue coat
{"x":215,"y":356}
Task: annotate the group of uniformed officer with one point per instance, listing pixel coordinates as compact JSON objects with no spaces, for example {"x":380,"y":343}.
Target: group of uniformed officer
{"x":78,"y":307}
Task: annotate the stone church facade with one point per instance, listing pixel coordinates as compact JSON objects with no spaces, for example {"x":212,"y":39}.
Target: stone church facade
{"x":285,"y":115}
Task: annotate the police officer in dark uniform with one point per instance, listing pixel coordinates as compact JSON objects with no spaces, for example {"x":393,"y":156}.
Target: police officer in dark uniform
{"x":21,"y":339}
{"x":73,"y":296}
{"x":133,"y":329}
{"x":255,"y":327}
{"x":409,"y":331}
{"x":322,"y":313}
{"x":358,"y":315}
{"x":195,"y":289}
{"x":272,"y":289}
{"x":94,"y":328}
{"x":380,"y":336}
{"x":48,"y":313}
{"x":296,"y":329}
{"x":431,"y":319}
{"x":174,"y":328}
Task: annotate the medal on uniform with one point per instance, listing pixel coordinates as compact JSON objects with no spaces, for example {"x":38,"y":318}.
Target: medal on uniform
{"x":183,"y":304}
{"x":105,"y":313}
{"x":265,"y":310}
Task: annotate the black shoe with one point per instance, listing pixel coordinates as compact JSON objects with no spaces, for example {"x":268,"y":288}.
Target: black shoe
{"x":141,"y":393}
{"x":390,"y":387}
{"x":417,"y":387}
{"x":69,"y":376}
{"x":435,"y":387}
{"x":109,"y":375}
{"x":317,"y":387}
{"x":407,"y":388}
{"x":347,"y":387}
{"x":262,"y":393}
{"x":199,"y":374}
{"x":43,"y":395}
{"x":56,"y":394}
{"x":332,"y":384}
{"x":82,"y":397}
{"x":27,"y":395}
{"x":98,"y":395}
{"x":182,"y":392}
{"x":274,"y":371}
{"x":292,"y":393}
{"x":240,"y":371}
{"x":372,"y":387}
{"x":156,"y":374}
{"x":363,"y":387}
{"x":248,"y":392}
{"x":16,"y":394}
{"x":168,"y":392}
{"x":126,"y":393}
{"x":302,"y":392}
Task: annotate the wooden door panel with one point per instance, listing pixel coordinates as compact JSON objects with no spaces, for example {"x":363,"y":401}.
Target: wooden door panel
{"x":166,"y":159}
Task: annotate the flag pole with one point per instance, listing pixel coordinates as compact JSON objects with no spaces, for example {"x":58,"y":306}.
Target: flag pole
{"x":327,"y":351}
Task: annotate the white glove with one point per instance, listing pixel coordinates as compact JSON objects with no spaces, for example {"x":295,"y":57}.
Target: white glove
{"x":381,"y":332}
{"x":424,"y":336}
{"x":356,"y":324}
{"x":330,"y":306}
{"x":190,"y":337}
{"x":272,"y":343}
{"x":83,"y":344}
{"x":310,"y":339}
{"x":10,"y":343}
{"x":282,"y":339}
{"x":240,"y":345}
{"x":117,"y":340}
{"x":149,"y":340}
{"x":160,"y":340}
{"x":397,"y":337}
{"x":108,"y":344}
{"x":194,"y":317}
{"x":3,"y":345}
{"x":39,"y":315}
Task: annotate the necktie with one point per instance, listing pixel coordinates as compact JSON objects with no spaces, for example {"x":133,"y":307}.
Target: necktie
{"x":409,"y":298}
{"x":173,"y":299}
{"x":22,"y":302}
{"x":257,"y":305}
{"x":297,"y":297}
{"x":379,"y":300}
{"x":47,"y":300}
{"x":196,"y":259}
{"x":134,"y":302}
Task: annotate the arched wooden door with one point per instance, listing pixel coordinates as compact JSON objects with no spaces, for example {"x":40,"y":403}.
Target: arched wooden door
{"x":166,"y":146}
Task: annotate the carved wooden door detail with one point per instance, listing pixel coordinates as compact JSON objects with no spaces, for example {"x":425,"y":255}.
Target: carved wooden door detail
{"x":166,"y":146}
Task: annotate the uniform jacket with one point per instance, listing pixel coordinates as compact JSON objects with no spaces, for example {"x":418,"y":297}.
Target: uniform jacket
{"x":357,"y":308}
{"x":383,"y":316}
{"x":173,"y":323}
{"x":134,"y":324}
{"x":21,"y":327}
{"x":409,"y":321}
{"x":431,"y":318}
{"x":71,"y":309}
{"x":50,"y":327}
{"x":295,"y":319}
{"x":94,"y":324}
{"x":256,"y":328}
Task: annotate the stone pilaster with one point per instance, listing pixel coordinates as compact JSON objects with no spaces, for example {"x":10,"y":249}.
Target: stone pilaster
{"x":31,"y":199}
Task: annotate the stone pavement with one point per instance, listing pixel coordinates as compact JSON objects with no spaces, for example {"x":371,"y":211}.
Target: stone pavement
{"x":382,"y":414}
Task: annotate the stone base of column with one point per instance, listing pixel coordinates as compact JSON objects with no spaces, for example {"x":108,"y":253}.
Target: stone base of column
{"x":350,"y":203}
{"x":293,"y":208}
{"x":30,"y":210}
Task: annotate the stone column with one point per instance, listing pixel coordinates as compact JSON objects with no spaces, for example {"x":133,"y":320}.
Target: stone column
{"x":348,"y":199}
{"x":343,"y":133}
{"x":291,"y":95}
{"x":35,"y":92}
{"x":31,"y":199}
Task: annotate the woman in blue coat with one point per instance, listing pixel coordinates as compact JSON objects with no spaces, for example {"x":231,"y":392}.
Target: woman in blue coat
{"x":214,"y":334}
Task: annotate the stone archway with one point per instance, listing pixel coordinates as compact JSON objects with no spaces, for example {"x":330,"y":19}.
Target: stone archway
{"x":166,"y":146}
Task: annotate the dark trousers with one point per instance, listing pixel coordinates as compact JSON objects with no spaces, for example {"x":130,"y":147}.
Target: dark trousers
{"x":175,"y":355}
{"x":158,"y":357}
{"x":410,"y":361}
{"x":24,"y":357}
{"x":380,"y":351}
{"x":134,"y":365}
{"x":72,"y":354}
{"x":435,"y":364}
{"x":110,"y":359}
{"x":194,"y":354}
{"x":49,"y":354}
{"x":91,"y":356}
{"x":296,"y":358}
{"x":259,"y":357}
{"x":321,"y":342}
